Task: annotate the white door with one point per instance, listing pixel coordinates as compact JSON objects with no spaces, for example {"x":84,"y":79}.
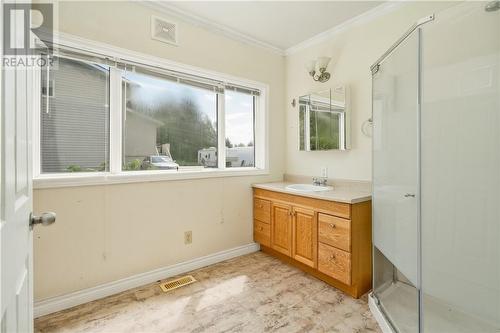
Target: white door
{"x":16,"y":237}
{"x":16,"y":289}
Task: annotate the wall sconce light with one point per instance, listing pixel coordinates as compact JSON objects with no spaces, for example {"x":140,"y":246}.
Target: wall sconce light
{"x":317,"y":69}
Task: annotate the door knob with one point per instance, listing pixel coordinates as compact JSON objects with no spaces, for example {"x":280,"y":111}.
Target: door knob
{"x":45,"y":219}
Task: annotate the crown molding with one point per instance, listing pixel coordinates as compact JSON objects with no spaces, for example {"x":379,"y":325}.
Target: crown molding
{"x":171,"y":10}
{"x":363,"y":18}
{"x":209,"y":25}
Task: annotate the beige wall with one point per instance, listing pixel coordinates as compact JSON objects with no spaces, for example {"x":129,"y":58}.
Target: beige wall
{"x":104,"y":233}
{"x":353,"y":51}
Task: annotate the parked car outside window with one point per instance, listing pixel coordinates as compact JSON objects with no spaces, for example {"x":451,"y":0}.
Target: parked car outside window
{"x":159,"y":162}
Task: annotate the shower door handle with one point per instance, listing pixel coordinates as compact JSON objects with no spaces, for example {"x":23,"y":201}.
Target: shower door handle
{"x":409,"y":195}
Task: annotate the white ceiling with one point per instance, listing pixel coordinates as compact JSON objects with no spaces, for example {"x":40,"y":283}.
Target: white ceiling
{"x":277,"y":24}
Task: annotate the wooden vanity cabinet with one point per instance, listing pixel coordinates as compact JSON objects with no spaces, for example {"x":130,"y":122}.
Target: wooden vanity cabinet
{"x":330,"y":240}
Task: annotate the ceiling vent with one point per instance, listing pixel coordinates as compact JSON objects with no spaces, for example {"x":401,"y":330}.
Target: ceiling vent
{"x":163,"y":30}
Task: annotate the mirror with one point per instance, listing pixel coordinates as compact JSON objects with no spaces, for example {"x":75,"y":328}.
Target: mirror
{"x":324,"y":120}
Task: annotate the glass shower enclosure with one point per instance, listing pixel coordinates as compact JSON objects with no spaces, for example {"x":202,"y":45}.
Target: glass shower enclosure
{"x":436,"y":175}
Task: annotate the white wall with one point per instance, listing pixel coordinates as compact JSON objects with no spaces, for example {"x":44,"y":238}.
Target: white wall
{"x":353,"y":51}
{"x":104,"y":233}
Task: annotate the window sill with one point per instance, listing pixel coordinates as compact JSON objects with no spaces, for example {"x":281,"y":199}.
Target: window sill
{"x":102,"y":178}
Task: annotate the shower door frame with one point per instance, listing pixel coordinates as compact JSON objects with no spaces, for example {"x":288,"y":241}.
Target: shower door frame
{"x":415,"y":28}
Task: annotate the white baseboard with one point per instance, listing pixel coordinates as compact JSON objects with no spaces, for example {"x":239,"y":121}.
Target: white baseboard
{"x":377,"y":314}
{"x":58,"y":303}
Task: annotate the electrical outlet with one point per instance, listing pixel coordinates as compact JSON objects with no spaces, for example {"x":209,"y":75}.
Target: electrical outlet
{"x":324,"y":172}
{"x":188,"y":237}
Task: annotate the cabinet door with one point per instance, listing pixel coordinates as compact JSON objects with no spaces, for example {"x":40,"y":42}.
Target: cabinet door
{"x":305,"y":240}
{"x":281,"y":228}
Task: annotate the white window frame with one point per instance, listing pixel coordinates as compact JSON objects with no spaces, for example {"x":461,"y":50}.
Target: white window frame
{"x":115,"y":175}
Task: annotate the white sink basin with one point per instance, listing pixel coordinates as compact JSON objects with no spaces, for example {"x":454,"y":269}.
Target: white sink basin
{"x":308,"y":188}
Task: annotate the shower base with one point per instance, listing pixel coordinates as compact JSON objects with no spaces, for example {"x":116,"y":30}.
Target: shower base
{"x":399,"y":300}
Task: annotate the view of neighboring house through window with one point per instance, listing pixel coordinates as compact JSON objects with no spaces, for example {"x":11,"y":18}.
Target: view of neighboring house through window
{"x":74,"y":117}
{"x":167,"y":123}
{"x":169,"y":120}
{"x":239,"y":110}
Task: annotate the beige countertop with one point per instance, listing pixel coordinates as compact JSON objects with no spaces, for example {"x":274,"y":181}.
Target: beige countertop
{"x":345,"y":194}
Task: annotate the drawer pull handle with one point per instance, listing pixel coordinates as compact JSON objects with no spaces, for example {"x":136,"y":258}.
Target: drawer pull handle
{"x":332,"y":257}
{"x":261,"y":229}
{"x":332,"y":225}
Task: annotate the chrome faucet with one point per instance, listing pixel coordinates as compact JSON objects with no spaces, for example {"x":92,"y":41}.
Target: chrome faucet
{"x":320,"y":181}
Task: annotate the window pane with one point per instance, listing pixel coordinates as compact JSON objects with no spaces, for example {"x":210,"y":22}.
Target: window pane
{"x":239,"y":109}
{"x":324,"y":128}
{"x":167,"y":125}
{"x":75,"y":126}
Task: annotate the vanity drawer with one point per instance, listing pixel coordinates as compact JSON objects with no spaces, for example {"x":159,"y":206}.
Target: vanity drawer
{"x":262,"y":233}
{"x":334,"y":231}
{"x":335,"y":263}
{"x":262,"y":210}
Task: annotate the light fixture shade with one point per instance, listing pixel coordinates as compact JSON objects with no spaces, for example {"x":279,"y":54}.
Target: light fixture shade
{"x":323,"y":62}
{"x":311,"y":66}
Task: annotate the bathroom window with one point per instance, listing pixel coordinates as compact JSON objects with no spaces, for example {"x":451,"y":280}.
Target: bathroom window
{"x":122,"y":120}
{"x":240,"y":138}
{"x":168,"y":125}
{"x":74,"y":121}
